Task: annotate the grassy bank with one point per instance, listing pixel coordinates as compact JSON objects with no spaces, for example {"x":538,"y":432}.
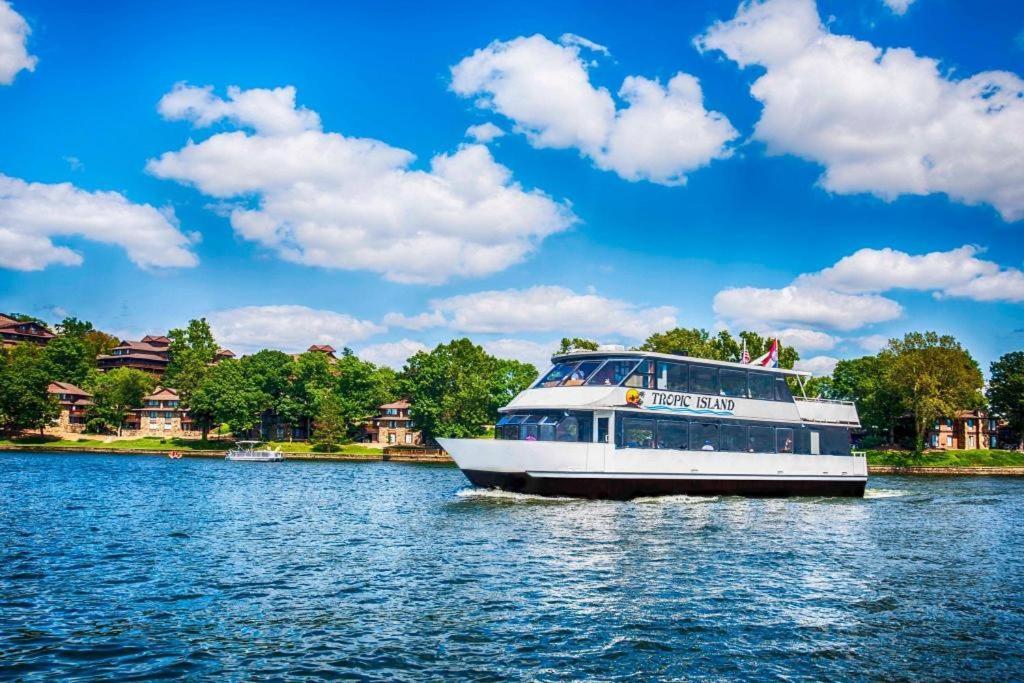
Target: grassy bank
{"x":976,"y":458}
{"x":157,"y":444}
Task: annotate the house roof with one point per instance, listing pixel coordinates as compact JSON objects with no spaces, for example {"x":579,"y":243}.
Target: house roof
{"x":162,"y":394}
{"x":66,"y":388}
{"x":157,"y":340}
{"x":323,"y":348}
{"x":226,"y":353}
{"x":402,"y":403}
{"x":6,"y":323}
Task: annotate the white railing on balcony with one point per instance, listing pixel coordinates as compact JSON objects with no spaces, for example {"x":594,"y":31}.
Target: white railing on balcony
{"x":828,"y":411}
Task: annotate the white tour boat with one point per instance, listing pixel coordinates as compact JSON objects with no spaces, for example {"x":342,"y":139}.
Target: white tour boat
{"x":623,"y":424}
{"x":246,"y":450}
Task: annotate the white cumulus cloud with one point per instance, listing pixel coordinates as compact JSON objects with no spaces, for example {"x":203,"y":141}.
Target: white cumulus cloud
{"x":420,"y":321}
{"x":391,"y":354}
{"x":797,"y":305}
{"x":14,"y":56}
{"x":289,"y":328}
{"x":803,"y":339}
{"x":957,"y":272}
{"x":898,"y":6}
{"x":551,"y":309}
{"x":323,"y":199}
{"x":538,"y":354}
{"x":544,"y":88}
{"x":880,"y":121}
{"x":33,"y":214}
{"x":818,"y":365}
{"x":484,"y":132}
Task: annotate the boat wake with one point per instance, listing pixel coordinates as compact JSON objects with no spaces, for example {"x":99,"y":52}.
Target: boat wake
{"x":511,"y":496}
{"x":885,"y":493}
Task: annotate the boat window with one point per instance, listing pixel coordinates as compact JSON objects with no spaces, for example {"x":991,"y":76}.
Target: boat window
{"x":672,"y":376}
{"x":703,"y":379}
{"x":580,"y":373}
{"x":557,"y":374}
{"x":761,"y":440}
{"x":567,"y":429}
{"x":762,"y":386}
{"x":734,"y":383}
{"x":673,"y":434}
{"x":530,"y":432}
{"x":835,"y":441}
{"x":703,"y":436}
{"x":783,"y":440}
{"x":637,"y":433}
{"x":732,"y":438}
{"x":613,"y":373}
{"x":782,"y":392}
{"x":642,"y":377}
{"x":518,"y":419}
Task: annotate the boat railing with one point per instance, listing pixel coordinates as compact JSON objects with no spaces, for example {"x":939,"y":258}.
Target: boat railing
{"x":823,"y":400}
{"x":827,"y":411}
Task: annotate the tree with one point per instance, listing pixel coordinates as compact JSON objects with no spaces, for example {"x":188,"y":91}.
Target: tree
{"x":25,"y":402}
{"x":330,"y":423}
{"x":360,"y":387}
{"x":97,"y":342}
{"x":228,"y":395}
{"x":510,"y":378}
{"x":576,"y":344}
{"x":1006,"y":391}
{"x":311,"y":374}
{"x":451,"y":389}
{"x":866,"y":382}
{"x":933,"y":376}
{"x":114,"y":394}
{"x":67,"y":359}
{"x":190,"y":349}
{"x":699,"y":343}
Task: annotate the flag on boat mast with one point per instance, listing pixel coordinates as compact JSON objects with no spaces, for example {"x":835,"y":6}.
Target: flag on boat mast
{"x":770,"y":359}
{"x":745,"y":356}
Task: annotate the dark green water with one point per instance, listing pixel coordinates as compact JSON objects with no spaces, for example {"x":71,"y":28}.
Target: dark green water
{"x":142,"y":567}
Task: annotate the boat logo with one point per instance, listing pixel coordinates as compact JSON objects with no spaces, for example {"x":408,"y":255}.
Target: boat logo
{"x":634,"y":398}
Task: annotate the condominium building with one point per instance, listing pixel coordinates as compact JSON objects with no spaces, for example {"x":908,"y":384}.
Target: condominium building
{"x":74,"y":404}
{"x":161,"y":414}
{"x":150,"y":354}
{"x":968,"y":429}
{"x":393,"y":426}
{"x":16,"y":331}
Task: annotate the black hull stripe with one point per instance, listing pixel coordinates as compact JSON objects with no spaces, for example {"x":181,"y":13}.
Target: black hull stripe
{"x":624,"y":489}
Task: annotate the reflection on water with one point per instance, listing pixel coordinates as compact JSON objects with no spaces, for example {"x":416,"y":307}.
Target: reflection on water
{"x":118,"y":567}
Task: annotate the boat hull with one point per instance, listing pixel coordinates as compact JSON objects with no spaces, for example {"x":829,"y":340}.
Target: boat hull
{"x":623,"y":488}
{"x":591,"y":470}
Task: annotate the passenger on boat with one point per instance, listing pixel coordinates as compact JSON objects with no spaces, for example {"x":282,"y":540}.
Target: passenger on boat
{"x":707,"y":445}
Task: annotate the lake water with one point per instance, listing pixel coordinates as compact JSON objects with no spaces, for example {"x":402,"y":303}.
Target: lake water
{"x":144,"y":567}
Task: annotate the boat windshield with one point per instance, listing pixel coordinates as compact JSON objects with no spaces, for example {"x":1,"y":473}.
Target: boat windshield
{"x":592,"y":372}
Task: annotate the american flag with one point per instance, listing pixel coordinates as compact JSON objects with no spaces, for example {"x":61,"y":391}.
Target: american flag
{"x":745,"y":357}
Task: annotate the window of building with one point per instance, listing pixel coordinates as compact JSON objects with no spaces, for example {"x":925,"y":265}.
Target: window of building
{"x":703,"y":379}
{"x":992,"y":441}
{"x":762,"y":386}
{"x":783,"y":440}
{"x":672,"y":434}
{"x":613,"y":373}
{"x":935,"y":440}
{"x":408,"y":438}
{"x":949,"y":440}
{"x":732,"y":438}
{"x":703,"y":436}
{"x":733,"y":383}
{"x":637,"y":433}
{"x":672,"y":376}
{"x":970,"y":424}
{"x":761,"y":440}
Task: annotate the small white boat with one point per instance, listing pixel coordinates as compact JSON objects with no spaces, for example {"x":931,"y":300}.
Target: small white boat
{"x":246,"y":450}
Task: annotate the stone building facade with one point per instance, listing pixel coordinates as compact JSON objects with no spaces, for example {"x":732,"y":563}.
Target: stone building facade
{"x":74,"y":408}
{"x":161,"y":415}
{"x":392,"y":426}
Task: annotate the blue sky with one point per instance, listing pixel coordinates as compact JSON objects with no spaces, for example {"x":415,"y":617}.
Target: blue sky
{"x":837,"y":173}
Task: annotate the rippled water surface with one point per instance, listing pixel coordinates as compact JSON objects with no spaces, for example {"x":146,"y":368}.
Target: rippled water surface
{"x":134,"y":567}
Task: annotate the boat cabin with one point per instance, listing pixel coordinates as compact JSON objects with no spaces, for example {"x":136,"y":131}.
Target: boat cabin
{"x":660,"y":401}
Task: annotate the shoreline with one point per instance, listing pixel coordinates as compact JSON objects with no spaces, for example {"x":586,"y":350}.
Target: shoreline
{"x":917,"y":470}
{"x":185,"y":453}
